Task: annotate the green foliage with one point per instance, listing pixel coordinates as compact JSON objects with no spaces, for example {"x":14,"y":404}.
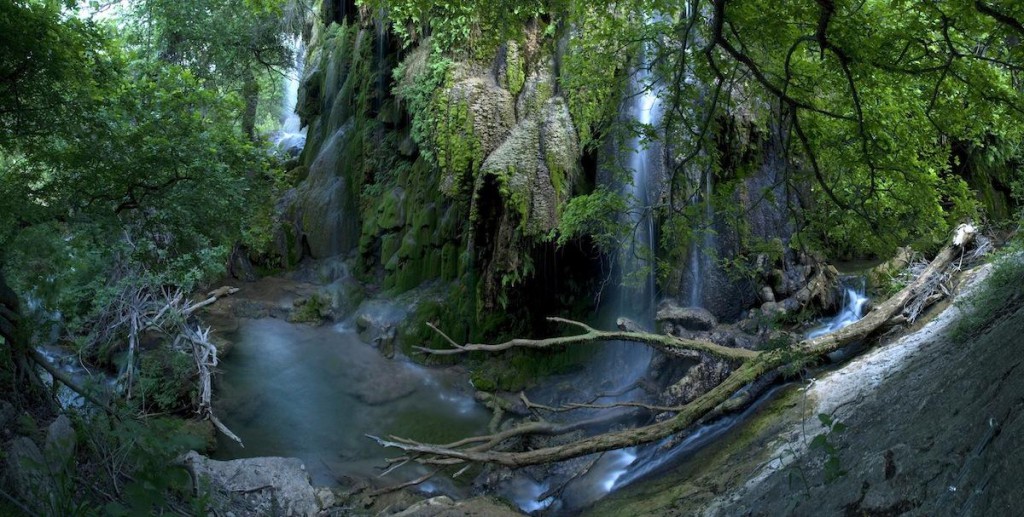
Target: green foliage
{"x":598,"y":215}
{"x":1000,"y":294}
{"x":474,"y":27}
{"x":825,"y":442}
{"x":138,"y":455}
{"x":166,"y":382}
{"x":418,"y":79}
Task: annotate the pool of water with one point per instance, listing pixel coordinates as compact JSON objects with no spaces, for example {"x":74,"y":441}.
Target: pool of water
{"x":314,"y":393}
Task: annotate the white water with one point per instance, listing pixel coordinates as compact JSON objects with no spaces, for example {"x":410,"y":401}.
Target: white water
{"x":292,"y":137}
{"x":852,"y":310}
{"x":636,"y":296}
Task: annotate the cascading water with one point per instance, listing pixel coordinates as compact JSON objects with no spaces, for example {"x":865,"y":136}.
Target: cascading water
{"x":636,"y":296}
{"x":620,"y":367}
{"x":854,"y":299}
{"x":292,"y":137}
{"x":699,"y":257}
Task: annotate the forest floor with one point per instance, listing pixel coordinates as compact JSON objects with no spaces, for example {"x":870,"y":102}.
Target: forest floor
{"x":929,"y":426}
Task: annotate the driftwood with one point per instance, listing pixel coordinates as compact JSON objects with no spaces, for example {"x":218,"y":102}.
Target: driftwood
{"x":752,"y":366}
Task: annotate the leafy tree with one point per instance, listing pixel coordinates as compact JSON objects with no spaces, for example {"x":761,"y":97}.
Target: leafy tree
{"x":229,"y":44}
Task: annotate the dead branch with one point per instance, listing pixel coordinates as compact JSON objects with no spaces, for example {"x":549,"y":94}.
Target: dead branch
{"x":754,"y":367}
{"x":592,"y":335}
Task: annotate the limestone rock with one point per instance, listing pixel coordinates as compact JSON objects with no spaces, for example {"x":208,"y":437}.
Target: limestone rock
{"x":265,"y":486}
{"x":628,"y":325}
{"x":539,"y":87}
{"x":490,"y":116}
{"x":325,"y":202}
{"x":689,"y":318}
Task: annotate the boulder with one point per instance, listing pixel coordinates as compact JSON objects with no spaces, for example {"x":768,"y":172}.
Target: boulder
{"x":689,"y":318}
{"x":628,"y":325}
{"x":60,"y":443}
{"x":263,"y":486}
{"x":27,"y":471}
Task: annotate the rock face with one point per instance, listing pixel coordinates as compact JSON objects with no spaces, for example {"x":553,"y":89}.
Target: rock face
{"x":263,"y":486}
{"x":698,"y":380}
{"x":689,"y":318}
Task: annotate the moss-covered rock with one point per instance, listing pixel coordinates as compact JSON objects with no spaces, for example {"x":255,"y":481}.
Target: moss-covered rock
{"x":538,"y":88}
{"x":389,"y":212}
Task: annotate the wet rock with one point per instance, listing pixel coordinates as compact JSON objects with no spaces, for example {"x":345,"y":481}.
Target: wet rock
{"x":222,"y":344}
{"x":689,"y":318}
{"x":262,"y":486}
{"x":628,"y":325}
{"x":444,"y":506}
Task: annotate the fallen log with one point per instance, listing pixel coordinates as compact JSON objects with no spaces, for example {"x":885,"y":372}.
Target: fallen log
{"x":753,"y":365}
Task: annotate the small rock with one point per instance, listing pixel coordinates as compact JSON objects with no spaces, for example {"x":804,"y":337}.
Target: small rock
{"x":767,"y":295}
{"x":325,"y":497}
{"x":628,"y":325}
{"x":444,"y":506}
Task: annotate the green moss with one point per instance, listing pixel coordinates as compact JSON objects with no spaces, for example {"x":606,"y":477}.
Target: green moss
{"x":314,"y":309}
{"x":515,"y":69}
{"x":389,"y":212}
{"x":456,"y":147}
{"x":409,"y":275}
{"x":450,"y":261}
{"x":389,"y":245}
{"x":410,"y":248}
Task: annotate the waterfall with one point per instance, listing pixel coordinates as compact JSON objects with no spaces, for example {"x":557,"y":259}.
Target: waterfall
{"x":291,"y":137}
{"x":637,"y":295}
{"x":854,"y":299}
{"x":700,"y":259}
